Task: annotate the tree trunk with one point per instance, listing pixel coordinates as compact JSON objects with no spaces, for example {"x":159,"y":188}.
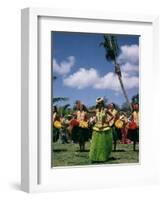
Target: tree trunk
{"x":124,"y":92}
{"x":118,"y":72}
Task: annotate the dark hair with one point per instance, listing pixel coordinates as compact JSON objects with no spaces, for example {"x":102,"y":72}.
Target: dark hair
{"x":54,"y":108}
{"x":113,"y":104}
{"x":57,"y":118}
{"x":100,"y":105}
{"x":84,"y":107}
{"x":80,"y":106}
{"x":77,"y":101}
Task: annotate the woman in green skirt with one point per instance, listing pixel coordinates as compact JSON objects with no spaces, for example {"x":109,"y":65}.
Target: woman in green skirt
{"x":101,"y":145}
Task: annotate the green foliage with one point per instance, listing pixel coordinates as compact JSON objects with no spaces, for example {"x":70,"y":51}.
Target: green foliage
{"x":111,"y":53}
{"x":58,"y":99}
{"x":66,"y":106}
{"x":135,"y":99}
{"x":111,"y":47}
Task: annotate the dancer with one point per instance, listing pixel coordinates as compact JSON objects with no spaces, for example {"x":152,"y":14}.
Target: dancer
{"x":101,"y":145}
{"x":56,"y":128}
{"x":83,"y":131}
{"x":133,"y":132}
{"x":74,"y":124}
{"x":124,"y":129}
{"x":111,"y":117}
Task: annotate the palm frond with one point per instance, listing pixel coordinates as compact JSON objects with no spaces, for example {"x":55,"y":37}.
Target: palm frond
{"x":115,"y":45}
{"x":57,"y":99}
{"x":111,"y":47}
{"x":66,"y":106}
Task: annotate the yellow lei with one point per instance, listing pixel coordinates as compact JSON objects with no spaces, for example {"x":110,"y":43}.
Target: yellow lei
{"x":57,"y":124}
{"x":119,"y":123}
{"x":83,"y":124}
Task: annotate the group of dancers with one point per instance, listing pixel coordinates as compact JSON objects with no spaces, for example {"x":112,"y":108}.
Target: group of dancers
{"x":103,"y":126}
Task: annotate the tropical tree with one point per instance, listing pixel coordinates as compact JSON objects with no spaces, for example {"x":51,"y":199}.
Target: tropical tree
{"x":112,"y":51}
{"x":58,"y":99}
{"x":65,"y":109}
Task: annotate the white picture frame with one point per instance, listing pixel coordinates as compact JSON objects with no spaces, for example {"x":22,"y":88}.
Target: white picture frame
{"x":36,"y":171}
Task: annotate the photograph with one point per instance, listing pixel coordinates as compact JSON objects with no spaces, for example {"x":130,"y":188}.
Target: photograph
{"x":95,"y":98}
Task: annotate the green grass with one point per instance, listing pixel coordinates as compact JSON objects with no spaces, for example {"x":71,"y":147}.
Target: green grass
{"x":69,"y":155}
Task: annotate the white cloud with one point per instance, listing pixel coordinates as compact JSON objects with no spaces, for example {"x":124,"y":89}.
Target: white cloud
{"x":129,"y":54}
{"x":129,"y":62}
{"x":128,"y":67}
{"x":129,"y":59}
{"x":82,"y":78}
{"x":64,"y":67}
{"x":110,"y":81}
{"x":130,"y":81}
{"x":90,"y":78}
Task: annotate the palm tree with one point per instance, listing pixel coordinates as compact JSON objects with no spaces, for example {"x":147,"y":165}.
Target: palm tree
{"x":65,"y":109}
{"x":58,"y":99}
{"x":112,"y":52}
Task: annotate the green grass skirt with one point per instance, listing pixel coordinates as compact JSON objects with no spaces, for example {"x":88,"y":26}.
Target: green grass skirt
{"x":101,"y":145}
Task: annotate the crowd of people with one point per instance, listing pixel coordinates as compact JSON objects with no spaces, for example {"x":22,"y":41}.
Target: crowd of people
{"x":103,"y":127}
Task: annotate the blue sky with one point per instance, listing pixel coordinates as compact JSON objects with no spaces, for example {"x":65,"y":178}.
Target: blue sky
{"x":84,"y":74}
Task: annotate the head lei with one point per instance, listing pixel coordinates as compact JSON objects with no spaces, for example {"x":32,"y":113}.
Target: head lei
{"x":100,"y":102}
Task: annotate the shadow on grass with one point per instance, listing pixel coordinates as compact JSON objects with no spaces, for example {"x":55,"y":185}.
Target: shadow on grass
{"x":59,"y":150}
{"x":113,"y":158}
{"x":82,"y":150}
{"x":119,"y":150}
